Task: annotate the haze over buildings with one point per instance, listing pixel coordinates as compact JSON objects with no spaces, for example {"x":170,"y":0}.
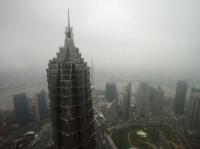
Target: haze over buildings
{"x":133,"y":35}
{"x":119,"y":90}
{"x":158,"y":39}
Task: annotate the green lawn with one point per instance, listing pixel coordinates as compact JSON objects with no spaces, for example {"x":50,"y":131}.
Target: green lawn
{"x":120,"y":137}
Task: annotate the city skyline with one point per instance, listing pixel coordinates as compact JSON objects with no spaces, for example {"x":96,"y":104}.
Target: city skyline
{"x":134,"y":82}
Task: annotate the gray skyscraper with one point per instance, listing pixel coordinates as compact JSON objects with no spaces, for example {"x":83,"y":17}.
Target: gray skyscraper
{"x":70,"y":97}
{"x":111,"y":101}
{"x":21,"y":109}
{"x":41,"y":105}
{"x":111,"y":92}
{"x":149,"y":101}
{"x":179,"y":103}
{"x":143,"y":104}
{"x":126,"y":102}
{"x":193,"y":118}
{"x":157,"y":101}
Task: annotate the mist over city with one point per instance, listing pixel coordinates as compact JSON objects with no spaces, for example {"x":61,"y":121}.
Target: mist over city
{"x":93,"y":74}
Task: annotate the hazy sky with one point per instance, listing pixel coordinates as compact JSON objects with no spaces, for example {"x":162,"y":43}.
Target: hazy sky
{"x":151,"y":35}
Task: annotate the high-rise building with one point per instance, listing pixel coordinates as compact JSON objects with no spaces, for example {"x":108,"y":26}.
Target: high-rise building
{"x":193,"y":117}
{"x":179,"y":102}
{"x":70,"y":97}
{"x":149,"y":101}
{"x":111,"y":92}
{"x":143,"y":105}
{"x":126,"y":107}
{"x":111,"y":102}
{"x":157,"y":102}
{"x":21,"y":109}
{"x":41,"y":107}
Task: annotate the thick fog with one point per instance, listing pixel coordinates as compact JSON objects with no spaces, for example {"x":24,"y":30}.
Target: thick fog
{"x":155,"y":36}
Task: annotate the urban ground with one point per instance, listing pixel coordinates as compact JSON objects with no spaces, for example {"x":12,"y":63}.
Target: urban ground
{"x":156,"y":136}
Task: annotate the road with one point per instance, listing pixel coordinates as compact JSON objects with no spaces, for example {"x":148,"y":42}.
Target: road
{"x":44,"y":137}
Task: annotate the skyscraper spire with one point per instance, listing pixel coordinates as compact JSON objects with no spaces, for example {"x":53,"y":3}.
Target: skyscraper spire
{"x":68,"y":19}
{"x":69,"y":34}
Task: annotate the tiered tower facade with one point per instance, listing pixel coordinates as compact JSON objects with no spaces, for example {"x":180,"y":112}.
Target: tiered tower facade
{"x":70,"y":97}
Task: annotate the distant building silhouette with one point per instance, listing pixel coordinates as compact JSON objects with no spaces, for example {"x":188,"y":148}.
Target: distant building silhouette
{"x":143,"y":105}
{"x":149,"y":101}
{"x":21,"y":109}
{"x":193,"y":118}
{"x":126,"y":107}
{"x":157,"y":102}
{"x":111,"y":92}
{"x":179,"y":102}
{"x":41,"y":107}
{"x":111,"y":101}
{"x":70,"y":97}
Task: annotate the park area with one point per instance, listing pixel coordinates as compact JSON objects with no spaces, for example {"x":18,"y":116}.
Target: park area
{"x":145,"y":137}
